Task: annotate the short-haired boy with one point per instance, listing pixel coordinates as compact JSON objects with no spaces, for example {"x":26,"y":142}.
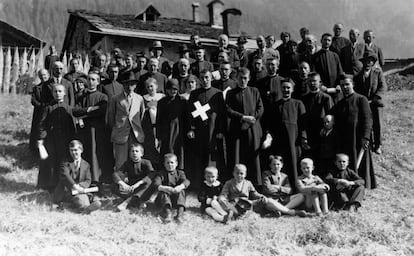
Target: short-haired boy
{"x":239,"y":190}
{"x":133,"y":179}
{"x":75,"y":175}
{"x":208,"y":196}
{"x":347,"y":188}
{"x":313,"y":187}
{"x":276,"y":184}
{"x":171,"y":184}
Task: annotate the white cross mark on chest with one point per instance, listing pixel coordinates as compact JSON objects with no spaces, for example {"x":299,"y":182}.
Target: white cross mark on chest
{"x":200,"y":110}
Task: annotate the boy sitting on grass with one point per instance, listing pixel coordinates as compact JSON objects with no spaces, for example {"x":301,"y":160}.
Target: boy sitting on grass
{"x":276,"y":185}
{"x":313,"y":187}
{"x":75,"y":177}
{"x":209,"y":192}
{"x":239,"y":194}
{"x":133,"y":179}
{"x":171,"y":184}
{"x":347,"y":188}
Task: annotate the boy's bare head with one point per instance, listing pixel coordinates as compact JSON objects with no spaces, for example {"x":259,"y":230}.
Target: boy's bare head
{"x":328,"y":122}
{"x":136,"y":151}
{"x":170,"y":162}
{"x":75,"y":149}
{"x":239,"y":172}
{"x":211,"y":174}
{"x":342,"y":161}
{"x":306,"y":165}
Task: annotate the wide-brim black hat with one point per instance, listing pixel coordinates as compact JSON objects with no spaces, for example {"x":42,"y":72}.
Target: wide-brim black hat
{"x":129,"y":78}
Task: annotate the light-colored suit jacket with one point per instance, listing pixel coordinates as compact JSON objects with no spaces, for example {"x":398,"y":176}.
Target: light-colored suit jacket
{"x":122,"y":119}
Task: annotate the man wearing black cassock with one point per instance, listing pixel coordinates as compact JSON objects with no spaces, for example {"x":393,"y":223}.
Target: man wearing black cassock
{"x":225,"y":83}
{"x":245,"y":108}
{"x":206,"y":129}
{"x":270,"y":87}
{"x":92,"y":131}
{"x":111,"y":86}
{"x":285,"y":130}
{"x":317,"y":105}
{"x":55,"y":131}
{"x":354,"y":125}
{"x":328,"y":66}
{"x":171,"y":122}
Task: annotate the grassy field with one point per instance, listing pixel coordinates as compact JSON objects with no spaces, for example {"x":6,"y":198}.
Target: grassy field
{"x":383,"y":226}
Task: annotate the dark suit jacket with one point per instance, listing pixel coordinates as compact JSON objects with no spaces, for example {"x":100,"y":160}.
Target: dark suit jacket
{"x":350,"y":58}
{"x":70,"y":176}
{"x":376,"y":87}
{"x":111,"y":89}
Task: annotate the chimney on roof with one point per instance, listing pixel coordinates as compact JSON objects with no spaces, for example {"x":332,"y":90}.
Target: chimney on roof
{"x":215,"y":8}
{"x":231,"y":22}
{"x":196,"y":14}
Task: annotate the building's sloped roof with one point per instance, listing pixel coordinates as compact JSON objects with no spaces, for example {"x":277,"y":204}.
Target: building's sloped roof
{"x":13,"y":36}
{"x":103,"y":21}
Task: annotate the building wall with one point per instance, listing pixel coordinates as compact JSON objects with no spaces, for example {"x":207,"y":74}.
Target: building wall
{"x":79,"y":40}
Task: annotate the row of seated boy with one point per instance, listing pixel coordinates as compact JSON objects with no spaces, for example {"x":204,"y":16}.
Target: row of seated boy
{"x":137,"y":182}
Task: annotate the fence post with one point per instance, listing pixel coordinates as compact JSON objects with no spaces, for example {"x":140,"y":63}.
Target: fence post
{"x":7,"y":70}
{"x":86,"y":66}
{"x":15,"y":71}
{"x":23,"y":62}
{"x":65,"y":63}
{"x":1,"y":67}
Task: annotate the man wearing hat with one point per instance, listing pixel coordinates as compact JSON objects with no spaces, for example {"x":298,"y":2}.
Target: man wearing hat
{"x":171,"y":120}
{"x":163,"y":63}
{"x":125,"y":113}
{"x":200,"y":63}
{"x":184,"y":53}
{"x":370,"y":82}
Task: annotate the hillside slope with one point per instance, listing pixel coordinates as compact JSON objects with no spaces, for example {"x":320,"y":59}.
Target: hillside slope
{"x":383,"y":226}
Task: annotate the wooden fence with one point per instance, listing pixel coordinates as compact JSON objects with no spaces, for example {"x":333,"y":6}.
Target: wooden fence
{"x":19,"y":67}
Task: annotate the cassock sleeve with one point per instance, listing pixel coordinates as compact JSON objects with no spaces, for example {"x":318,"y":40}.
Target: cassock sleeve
{"x":365,"y":118}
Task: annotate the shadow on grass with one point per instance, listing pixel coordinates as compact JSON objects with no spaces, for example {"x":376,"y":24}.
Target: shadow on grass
{"x":10,"y":186}
{"x":20,"y":135}
{"x":40,"y":197}
{"x":21,"y":155}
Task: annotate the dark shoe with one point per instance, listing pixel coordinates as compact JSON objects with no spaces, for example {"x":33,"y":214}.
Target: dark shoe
{"x":275,"y":214}
{"x":353,"y":208}
{"x":168,"y":216}
{"x":378,"y":150}
{"x":92,"y":207}
{"x":179,"y":219}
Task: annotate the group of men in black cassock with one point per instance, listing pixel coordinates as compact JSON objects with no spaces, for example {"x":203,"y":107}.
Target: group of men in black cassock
{"x":235,"y":109}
